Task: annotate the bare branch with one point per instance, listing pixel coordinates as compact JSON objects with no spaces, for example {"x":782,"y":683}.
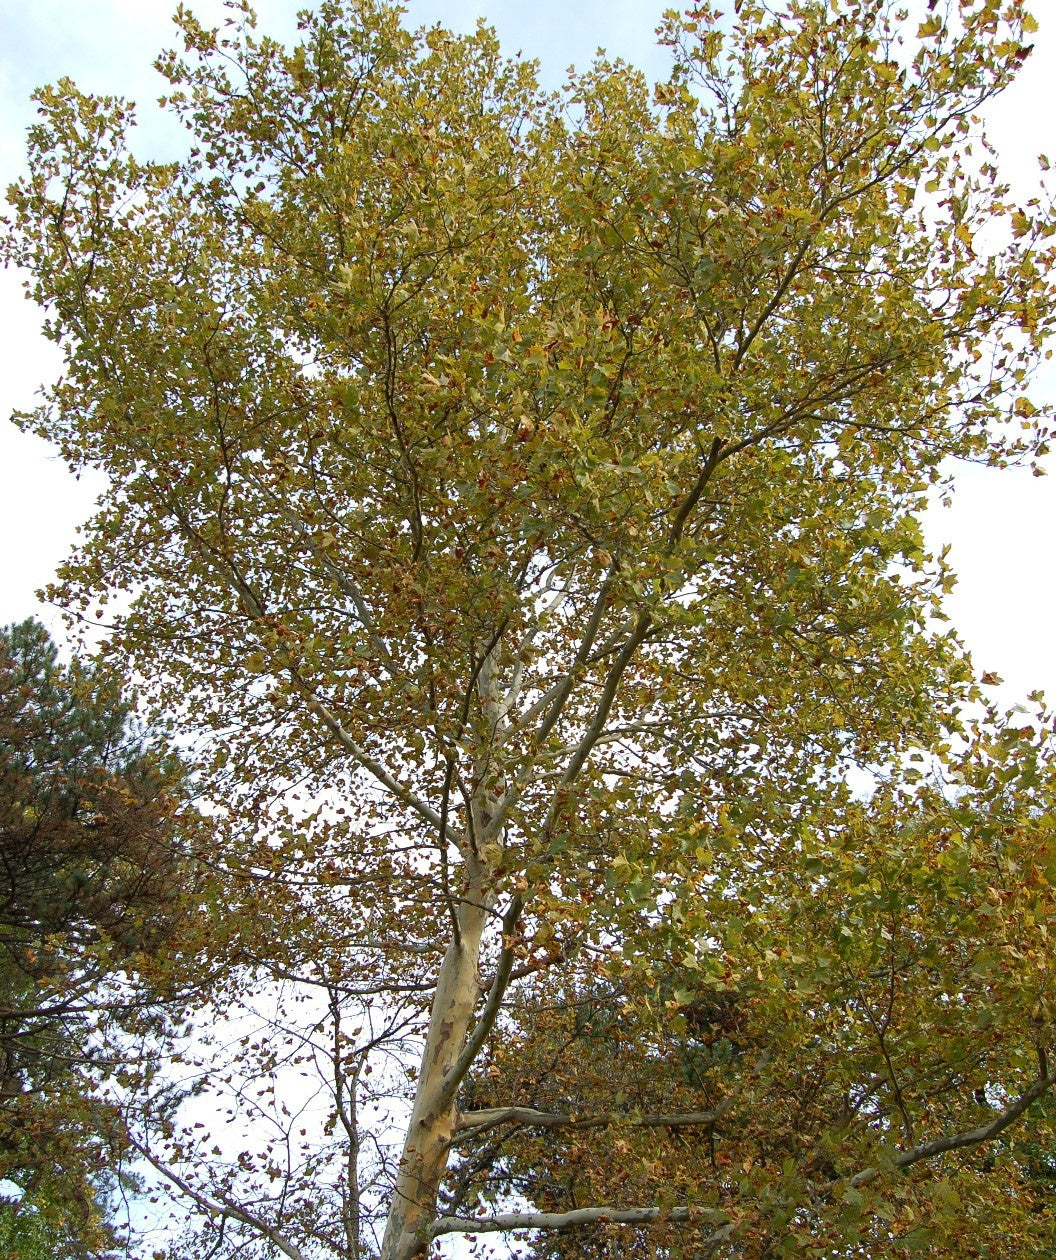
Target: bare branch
{"x":509,"y":1221}
{"x":973,"y":1137}
{"x":529,"y":1117}
{"x":221,"y":1207}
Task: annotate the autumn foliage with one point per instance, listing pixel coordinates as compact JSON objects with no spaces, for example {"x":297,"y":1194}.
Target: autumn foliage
{"x":518,"y":494}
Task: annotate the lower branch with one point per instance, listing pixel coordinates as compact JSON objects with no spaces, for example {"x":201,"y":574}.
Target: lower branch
{"x":530,"y":1118}
{"x":508,"y":1221}
{"x":220,"y":1207}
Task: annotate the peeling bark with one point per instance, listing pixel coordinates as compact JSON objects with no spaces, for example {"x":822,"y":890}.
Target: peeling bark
{"x":427,"y":1145}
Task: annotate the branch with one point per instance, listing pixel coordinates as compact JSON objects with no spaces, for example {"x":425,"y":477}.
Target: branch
{"x":492,"y":1007}
{"x":346,"y":990}
{"x":607,"y":698}
{"x":612,"y":736}
{"x":256,"y":610}
{"x":609,"y":645}
{"x":973,"y":1137}
{"x":563,"y":689}
{"x":568,"y":1220}
{"x":221,"y":1207}
{"x":775,"y":301}
{"x":374,"y":767}
{"x":699,"y":486}
{"x":529,"y":1117}
{"x":445,"y":864}
{"x":642,"y":625}
{"x":347,"y":586}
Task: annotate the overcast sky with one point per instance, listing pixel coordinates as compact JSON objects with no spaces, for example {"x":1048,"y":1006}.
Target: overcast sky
{"x":1001,"y":527}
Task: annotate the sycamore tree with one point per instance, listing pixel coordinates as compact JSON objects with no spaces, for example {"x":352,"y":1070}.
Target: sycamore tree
{"x":521,"y":493}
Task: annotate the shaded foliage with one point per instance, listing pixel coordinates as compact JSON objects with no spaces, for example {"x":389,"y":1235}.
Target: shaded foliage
{"x":880,"y":984}
{"x":93,"y":877}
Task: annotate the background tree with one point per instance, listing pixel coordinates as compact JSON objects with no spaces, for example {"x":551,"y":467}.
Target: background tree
{"x":532,"y":485}
{"x":25,"y":1236}
{"x":93,"y":872}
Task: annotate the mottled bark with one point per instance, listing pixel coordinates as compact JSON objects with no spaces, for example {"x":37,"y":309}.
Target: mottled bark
{"x":427,"y":1145}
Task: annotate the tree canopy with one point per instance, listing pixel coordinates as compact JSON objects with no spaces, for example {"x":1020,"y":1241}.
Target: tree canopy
{"x":522,"y":492}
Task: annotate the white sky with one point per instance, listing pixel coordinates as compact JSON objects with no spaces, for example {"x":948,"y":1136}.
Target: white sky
{"x":1002,"y":526}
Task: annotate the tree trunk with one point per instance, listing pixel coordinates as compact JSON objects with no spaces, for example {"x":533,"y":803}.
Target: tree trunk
{"x":426,"y":1147}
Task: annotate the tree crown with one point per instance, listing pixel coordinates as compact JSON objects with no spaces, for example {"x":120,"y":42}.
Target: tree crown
{"x":534,"y":480}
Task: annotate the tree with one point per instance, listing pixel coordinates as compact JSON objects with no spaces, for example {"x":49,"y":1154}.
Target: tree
{"x":31,"y":1231}
{"x":858,"y":1001}
{"x":91,"y":883}
{"x":523,"y":492}
{"x":24,"y":1236}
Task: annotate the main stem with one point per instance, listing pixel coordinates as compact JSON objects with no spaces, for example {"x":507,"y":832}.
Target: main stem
{"x":427,"y":1145}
